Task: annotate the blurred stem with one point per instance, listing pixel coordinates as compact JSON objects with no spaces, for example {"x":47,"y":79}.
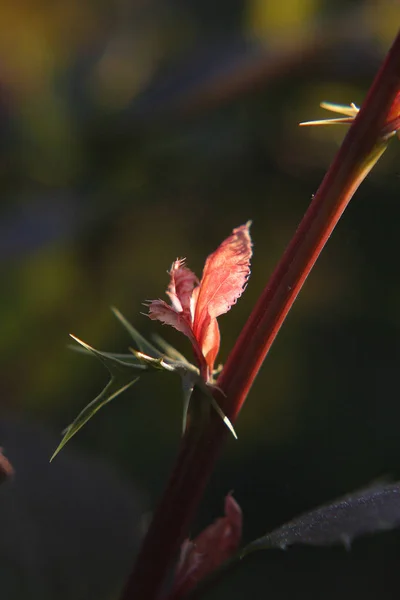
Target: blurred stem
{"x":361,"y":148}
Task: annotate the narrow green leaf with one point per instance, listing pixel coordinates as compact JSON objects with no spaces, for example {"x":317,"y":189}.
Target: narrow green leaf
{"x":111,"y":361}
{"x":169,"y":350}
{"x":125,"y":358}
{"x":190,"y":378}
{"x":111,"y":390}
{"x":143,"y":345}
{"x":123,"y":375}
{"x":207,"y":390}
{"x":155,"y":363}
{"x":187,"y":388}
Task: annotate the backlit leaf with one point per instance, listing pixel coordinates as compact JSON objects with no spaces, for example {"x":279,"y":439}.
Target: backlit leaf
{"x":123,"y":375}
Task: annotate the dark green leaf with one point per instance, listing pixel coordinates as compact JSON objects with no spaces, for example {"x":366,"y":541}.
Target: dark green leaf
{"x":123,"y":375}
{"x":368,"y":511}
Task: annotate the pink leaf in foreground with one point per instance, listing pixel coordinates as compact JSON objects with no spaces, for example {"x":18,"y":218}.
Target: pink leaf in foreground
{"x":216,"y":544}
{"x":225,"y":274}
{"x":195,"y":307}
{"x":161,"y":311}
{"x":181,"y":286}
{"x":224,"y":278}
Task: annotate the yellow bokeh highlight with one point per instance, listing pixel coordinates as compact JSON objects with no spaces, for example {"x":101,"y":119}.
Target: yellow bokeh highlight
{"x":266,"y":19}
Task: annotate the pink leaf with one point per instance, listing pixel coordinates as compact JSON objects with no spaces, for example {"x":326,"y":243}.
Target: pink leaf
{"x":209,"y":341}
{"x":195,"y":307}
{"x":216,"y":544}
{"x":161,"y":311}
{"x":225,"y":274}
{"x":224,"y":277}
{"x":180,"y":289}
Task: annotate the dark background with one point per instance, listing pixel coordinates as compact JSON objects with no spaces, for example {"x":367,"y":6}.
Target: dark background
{"x":136,"y":131}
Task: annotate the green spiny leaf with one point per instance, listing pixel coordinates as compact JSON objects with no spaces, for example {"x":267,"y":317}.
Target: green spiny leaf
{"x":140,"y":341}
{"x":154,"y":363}
{"x":111,"y":361}
{"x":125,"y":358}
{"x":111,"y":390}
{"x":169,"y":350}
{"x":190,"y":378}
{"x":123,"y":375}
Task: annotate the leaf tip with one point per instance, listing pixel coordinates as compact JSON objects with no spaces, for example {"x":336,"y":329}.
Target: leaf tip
{"x":80,"y":342}
{"x":58,"y":449}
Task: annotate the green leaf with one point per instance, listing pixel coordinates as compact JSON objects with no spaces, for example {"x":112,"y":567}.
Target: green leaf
{"x":125,"y":370}
{"x":125,"y":358}
{"x":191,"y":378}
{"x":364,"y":512}
{"x":123,"y":375}
{"x":171,"y":360}
{"x":169,"y":350}
{"x":187,"y":388}
{"x":367,"y":511}
{"x":143,"y":345}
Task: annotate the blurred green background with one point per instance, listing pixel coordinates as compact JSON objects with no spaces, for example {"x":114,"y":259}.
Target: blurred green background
{"x":136,"y":131}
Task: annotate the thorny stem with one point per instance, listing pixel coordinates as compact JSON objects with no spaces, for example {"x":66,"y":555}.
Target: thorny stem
{"x":199,"y":451}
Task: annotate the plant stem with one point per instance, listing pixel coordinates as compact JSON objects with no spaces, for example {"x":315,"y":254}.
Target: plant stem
{"x":360,"y":150}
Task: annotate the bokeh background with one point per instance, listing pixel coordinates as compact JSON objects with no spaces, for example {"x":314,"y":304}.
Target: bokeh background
{"x":136,"y":131}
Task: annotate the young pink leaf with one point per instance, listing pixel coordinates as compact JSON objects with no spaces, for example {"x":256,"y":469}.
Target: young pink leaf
{"x":209,"y":342}
{"x":224,"y":278}
{"x":195,"y":307}
{"x":180,"y":289}
{"x":216,"y":544}
{"x":161,"y":311}
{"x":225,"y":274}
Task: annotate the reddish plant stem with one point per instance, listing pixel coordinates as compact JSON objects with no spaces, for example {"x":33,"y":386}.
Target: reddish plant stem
{"x":198,"y":452}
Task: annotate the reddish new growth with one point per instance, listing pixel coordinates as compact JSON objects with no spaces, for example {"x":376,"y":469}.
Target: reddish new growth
{"x":215,"y":545}
{"x":196,"y":305}
{"x":6,"y":469}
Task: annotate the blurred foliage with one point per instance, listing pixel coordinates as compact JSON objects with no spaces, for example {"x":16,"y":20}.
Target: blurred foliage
{"x":136,"y":131}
